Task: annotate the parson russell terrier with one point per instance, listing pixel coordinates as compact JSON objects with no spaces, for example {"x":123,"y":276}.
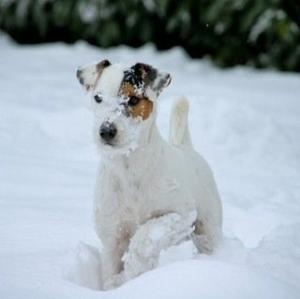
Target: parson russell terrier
{"x":150,"y":193}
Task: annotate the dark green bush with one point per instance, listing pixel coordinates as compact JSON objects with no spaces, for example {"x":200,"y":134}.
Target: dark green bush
{"x":263,"y":33}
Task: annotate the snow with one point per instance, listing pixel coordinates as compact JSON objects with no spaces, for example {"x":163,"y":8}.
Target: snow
{"x":245,"y":122}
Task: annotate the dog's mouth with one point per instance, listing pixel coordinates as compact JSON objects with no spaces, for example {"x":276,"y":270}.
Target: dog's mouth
{"x":114,"y":148}
{"x":108,"y":143}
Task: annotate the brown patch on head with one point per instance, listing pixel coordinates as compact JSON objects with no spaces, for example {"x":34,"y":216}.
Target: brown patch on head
{"x":132,"y":90}
{"x":127,"y":90}
{"x":142,"y":109}
{"x":102,"y":65}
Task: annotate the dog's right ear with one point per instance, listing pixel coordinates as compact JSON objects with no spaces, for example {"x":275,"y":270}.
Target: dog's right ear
{"x":152,"y":77}
{"x":88,"y":76}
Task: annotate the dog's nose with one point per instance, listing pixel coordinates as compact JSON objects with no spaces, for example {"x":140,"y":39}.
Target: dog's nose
{"x":108,"y":131}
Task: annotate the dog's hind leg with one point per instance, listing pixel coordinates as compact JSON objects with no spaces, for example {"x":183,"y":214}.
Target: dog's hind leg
{"x":205,"y":237}
{"x":151,"y":238}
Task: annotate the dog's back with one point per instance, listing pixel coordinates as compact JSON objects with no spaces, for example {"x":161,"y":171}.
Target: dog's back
{"x":203,"y":187}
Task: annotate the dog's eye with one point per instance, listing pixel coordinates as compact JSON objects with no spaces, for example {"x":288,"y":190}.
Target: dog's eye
{"x":98,"y":98}
{"x":133,"y":101}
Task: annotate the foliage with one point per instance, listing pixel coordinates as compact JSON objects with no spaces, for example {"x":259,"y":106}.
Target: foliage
{"x":263,"y":33}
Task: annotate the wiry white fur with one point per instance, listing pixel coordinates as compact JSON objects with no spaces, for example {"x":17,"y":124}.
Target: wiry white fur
{"x":110,"y":79}
{"x":147,"y":185}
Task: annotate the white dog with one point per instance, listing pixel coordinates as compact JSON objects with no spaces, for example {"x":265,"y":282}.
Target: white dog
{"x":150,"y":194}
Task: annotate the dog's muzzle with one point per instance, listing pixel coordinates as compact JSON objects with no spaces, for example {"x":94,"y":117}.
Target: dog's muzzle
{"x":108,"y":131}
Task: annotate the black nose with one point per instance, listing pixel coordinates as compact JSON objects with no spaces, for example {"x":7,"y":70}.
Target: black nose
{"x":108,"y":131}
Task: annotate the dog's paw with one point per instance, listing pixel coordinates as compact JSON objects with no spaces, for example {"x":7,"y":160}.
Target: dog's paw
{"x":113,"y":282}
{"x":174,"y":228}
{"x":202,"y":243}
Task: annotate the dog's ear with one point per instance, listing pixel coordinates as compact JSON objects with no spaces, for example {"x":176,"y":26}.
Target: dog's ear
{"x":88,"y":76}
{"x":161,"y":81}
{"x":152,"y":77}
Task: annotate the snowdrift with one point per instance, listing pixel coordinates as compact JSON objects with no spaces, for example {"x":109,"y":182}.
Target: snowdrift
{"x":243,"y":121}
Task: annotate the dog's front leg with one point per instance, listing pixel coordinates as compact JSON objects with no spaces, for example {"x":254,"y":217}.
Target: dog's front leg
{"x":115,"y":243}
{"x":110,"y":261}
{"x":151,"y":238}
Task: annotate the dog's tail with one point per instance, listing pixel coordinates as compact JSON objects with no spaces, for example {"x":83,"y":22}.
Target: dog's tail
{"x":179,"y":131}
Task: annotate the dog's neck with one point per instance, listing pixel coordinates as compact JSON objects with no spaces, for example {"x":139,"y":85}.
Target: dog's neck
{"x":144,"y":157}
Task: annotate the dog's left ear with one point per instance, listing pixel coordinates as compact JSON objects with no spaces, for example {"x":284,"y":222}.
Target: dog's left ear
{"x":88,"y":76}
{"x":161,"y":81}
{"x":152,"y":77}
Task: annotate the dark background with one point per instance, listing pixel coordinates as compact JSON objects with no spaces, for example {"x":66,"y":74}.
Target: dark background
{"x":261,"y":33}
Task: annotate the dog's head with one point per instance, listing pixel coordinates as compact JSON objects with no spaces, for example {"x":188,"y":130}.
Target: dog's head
{"x":124,"y":100}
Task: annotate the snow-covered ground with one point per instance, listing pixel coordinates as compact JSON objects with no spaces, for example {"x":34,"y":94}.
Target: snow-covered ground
{"x":245,"y":122}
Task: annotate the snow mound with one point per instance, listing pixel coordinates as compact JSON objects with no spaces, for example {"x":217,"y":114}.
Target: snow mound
{"x":201,"y":276}
{"x":245,"y":122}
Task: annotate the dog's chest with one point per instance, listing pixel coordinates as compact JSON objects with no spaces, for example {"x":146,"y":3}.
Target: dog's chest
{"x":135,"y":200}
{"x":135,"y":193}
{"x":133,"y":197}
{"x":143,"y":199}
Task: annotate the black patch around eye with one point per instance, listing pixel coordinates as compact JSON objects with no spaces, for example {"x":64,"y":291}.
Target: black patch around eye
{"x":133,"y":101}
{"x":98,"y":98}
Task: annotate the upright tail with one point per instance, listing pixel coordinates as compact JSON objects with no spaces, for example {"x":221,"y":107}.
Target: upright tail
{"x":179,"y":132}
